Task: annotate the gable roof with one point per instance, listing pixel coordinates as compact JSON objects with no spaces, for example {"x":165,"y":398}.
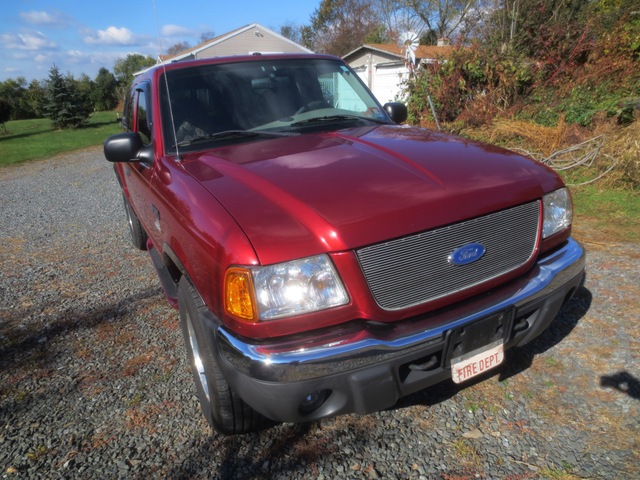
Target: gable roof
{"x":193,"y":52}
{"x":422,"y":52}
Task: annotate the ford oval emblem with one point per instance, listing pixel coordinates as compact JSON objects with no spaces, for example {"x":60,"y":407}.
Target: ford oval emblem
{"x":466,"y":254}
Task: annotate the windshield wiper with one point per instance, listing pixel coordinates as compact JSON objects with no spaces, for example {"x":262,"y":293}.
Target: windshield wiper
{"x":227,"y":134}
{"x":336,"y":118}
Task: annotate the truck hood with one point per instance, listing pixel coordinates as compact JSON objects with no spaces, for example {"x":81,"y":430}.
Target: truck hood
{"x":328,"y":192}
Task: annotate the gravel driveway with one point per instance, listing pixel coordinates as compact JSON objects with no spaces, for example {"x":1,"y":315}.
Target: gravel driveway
{"x":94,"y":381}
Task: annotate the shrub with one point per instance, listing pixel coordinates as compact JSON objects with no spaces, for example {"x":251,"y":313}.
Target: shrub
{"x":5,"y":112}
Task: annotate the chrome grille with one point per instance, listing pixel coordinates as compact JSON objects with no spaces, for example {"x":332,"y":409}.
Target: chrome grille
{"x":412,"y":270}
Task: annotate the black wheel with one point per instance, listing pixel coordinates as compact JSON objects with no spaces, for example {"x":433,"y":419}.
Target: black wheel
{"x":224,"y":410}
{"x":138,"y":234}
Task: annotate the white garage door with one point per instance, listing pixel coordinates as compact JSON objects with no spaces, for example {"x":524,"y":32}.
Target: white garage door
{"x":387,"y":83}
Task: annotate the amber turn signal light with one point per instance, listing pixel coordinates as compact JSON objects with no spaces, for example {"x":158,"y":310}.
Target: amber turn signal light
{"x":238,"y":295}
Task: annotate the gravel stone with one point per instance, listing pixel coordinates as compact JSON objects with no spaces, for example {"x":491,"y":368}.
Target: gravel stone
{"x":94,"y":381}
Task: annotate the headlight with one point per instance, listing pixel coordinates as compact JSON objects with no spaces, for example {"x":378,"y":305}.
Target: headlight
{"x":291,"y":288}
{"x":558,"y":212}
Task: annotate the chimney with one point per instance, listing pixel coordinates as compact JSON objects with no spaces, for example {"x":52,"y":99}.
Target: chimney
{"x":444,"y":42}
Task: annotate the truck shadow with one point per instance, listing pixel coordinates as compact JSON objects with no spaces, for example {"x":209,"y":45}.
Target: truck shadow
{"x":285,"y":451}
{"x":32,"y":343}
{"x":521,"y":358}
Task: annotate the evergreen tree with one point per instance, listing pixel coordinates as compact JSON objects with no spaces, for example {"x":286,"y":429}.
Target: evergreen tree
{"x":67,"y":106}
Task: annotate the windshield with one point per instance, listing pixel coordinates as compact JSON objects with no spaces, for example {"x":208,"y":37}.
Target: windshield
{"x":267,"y":96}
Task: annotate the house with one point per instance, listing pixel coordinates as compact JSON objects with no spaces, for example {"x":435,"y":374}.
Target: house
{"x":383,"y":67}
{"x":253,"y":38}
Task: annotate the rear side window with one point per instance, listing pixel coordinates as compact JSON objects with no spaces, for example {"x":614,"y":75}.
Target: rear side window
{"x":127,"y":118}
{"x":143,"y":126}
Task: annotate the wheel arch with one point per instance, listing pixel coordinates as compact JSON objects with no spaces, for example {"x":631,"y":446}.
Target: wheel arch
{"x":176,"y":269}
{"x":174,"y":265}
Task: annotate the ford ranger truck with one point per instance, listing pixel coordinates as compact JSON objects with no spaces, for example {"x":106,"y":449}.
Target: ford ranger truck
{"x":325,"y":258}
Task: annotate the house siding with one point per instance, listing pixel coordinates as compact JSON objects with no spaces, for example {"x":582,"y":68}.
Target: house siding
{"x":370,"y":58}
{"x":250,"y":41}
{"x":246,"y":40}
{"x":382,"y":73}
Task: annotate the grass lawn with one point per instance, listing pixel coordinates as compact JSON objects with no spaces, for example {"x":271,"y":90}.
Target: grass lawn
{"x":606,"y":215}
{"x":37,"y":139}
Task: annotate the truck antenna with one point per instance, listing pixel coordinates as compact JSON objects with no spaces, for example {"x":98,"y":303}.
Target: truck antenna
{"x":166,"y":82}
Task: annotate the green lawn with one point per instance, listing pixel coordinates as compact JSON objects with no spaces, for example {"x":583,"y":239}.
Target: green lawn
{"x":606,"y":215}
{"x":37,"y":139}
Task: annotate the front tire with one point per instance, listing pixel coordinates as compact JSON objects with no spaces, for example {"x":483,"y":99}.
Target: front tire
{"x":138,"y":234}
{"x":224,"y":410}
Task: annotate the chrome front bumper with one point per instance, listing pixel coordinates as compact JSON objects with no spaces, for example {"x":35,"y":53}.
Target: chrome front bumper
{"x":367,"y":366}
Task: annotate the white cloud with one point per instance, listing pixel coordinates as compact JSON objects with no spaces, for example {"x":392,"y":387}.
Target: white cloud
{"x":27,"y":41}
{"x":113,"y":36}
{"x":38,"y":18}
{"x":55,"y":19}
{"x":176,"y":31}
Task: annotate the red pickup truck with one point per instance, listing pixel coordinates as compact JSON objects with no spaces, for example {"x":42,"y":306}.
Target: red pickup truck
{"x":325,"y":258}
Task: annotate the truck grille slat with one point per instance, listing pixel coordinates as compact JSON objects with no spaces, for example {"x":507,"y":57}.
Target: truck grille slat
{"x":412,"y":270}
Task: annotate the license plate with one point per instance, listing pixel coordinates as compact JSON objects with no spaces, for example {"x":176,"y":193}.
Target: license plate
{"x":479,"y":361}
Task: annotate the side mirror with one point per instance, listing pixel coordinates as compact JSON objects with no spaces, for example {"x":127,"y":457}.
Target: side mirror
{"x":397,"y":111}
{"x":127,"y":147}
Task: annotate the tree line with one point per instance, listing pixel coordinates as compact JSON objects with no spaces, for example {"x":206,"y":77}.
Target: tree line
{"x":509,"y":54}
{"x":66,"y":100}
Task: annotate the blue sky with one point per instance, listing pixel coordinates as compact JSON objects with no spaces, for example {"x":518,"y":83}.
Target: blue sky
{"x":82,"y":36}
